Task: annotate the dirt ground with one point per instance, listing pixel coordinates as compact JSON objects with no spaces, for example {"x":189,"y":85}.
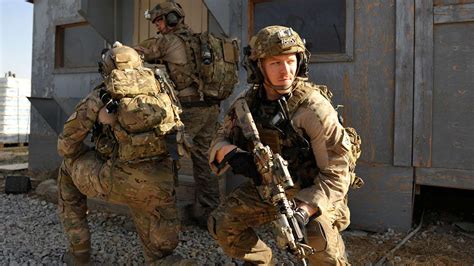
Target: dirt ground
{"x":438,"y":241}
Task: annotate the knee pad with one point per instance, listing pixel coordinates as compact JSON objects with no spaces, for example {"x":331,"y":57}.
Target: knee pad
{"x":317,"y":236}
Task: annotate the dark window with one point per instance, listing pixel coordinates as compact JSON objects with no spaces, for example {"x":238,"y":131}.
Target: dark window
{"x":322,"y":23}
{"x":78,"y":45}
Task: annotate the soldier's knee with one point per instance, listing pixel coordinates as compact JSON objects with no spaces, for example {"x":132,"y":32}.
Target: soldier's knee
{"x":325,"y":239}
{"x":67,"y":191}
{"x":219,"y":227}
{"x":164,"y":229}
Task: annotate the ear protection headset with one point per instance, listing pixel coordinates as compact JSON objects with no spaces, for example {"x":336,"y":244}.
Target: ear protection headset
{"x":254,"y":75}
{"x":172,"y":19}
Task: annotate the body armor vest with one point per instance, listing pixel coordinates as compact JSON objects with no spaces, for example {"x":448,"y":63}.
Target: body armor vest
{"x":273,"y":121}
{"x":183,"y":75}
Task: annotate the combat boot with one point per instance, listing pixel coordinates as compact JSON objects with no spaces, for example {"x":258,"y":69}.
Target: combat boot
{"x":80,"y":259}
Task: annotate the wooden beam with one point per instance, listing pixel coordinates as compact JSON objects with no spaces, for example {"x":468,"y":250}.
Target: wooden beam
{"x":442,"y":177}
{"x":423,"y":84}
{"x":404,"y":62}
{"x":453,"y":13}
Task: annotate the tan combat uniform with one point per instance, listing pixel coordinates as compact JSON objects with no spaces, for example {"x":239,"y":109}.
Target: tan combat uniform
{"x":199,"y":117}
{"x":147,"y":187}
{"x":231,"y":224}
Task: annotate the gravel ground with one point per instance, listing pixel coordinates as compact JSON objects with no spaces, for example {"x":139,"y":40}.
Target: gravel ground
{"x":31,"y":234}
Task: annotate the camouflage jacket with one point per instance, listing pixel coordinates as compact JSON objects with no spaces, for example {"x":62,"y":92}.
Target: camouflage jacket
{"x":78,"y":125}
{"x":315,"y":118}
{"x":170,"y":49}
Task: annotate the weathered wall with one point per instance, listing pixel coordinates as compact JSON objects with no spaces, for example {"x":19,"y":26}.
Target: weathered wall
{"x":49,"y":83}
{"x":365,"y":85}
{"x":379,"y":87}
{"x":366,"y":88}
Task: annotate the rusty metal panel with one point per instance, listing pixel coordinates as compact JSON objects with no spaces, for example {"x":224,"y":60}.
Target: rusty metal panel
{"x":423,"y":93}
{"x":453,"y":96}
{"x":454,"y":13}
{"x":366,"y":86}
{"x":442,"y":177}
{"x":404,"y":56}
{"x":451,"y":2}
{"x":386,"y":199}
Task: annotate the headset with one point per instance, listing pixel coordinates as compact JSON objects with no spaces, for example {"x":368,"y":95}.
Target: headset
{"x":172,"y":19}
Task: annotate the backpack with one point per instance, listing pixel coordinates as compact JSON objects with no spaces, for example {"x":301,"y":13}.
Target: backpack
{"x":216,"y":63}
{"x":354,"y":153}
{"x":145,"y":113}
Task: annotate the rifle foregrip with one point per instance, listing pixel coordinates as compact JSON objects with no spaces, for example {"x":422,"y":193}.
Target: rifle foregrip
{"x":246,"y":121}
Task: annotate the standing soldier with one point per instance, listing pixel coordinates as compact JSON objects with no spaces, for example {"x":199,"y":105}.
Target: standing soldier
{"x":129,"y":115}
{"x":199,"y":113}
{"x":295,"y":119}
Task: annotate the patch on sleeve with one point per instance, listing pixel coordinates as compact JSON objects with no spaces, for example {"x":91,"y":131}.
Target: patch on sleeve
{"x":346,"y":142}
{"x":72,"y":117}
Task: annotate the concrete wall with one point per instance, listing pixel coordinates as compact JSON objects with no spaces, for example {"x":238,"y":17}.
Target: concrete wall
{"x":50,"y":83}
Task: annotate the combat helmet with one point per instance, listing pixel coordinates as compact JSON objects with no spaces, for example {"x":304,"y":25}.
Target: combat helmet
{"x":119,"y":57}
{"x":171,"y":12}
{"x":272,"y":41}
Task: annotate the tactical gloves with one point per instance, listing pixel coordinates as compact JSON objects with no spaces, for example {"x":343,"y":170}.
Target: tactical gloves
{"x":302,"y":218}
{"x":242,"y":163}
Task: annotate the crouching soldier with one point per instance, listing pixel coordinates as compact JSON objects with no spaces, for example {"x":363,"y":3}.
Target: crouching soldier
{"x":130,"y":114}
{"x":294,"y":118}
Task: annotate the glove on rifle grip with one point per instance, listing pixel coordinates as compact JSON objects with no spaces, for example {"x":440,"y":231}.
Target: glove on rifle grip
{"x":242,"y":163}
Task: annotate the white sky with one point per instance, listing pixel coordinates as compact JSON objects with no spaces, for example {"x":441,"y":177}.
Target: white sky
{"x":16,"y":34}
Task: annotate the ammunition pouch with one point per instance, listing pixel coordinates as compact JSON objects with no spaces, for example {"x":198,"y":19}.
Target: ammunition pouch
{"x":139,"y":146}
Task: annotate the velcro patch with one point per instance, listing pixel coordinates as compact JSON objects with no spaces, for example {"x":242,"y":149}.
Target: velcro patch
{"x":72,"y":117}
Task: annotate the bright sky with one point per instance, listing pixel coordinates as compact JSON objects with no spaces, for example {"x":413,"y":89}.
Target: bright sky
{"x":16,"y":34}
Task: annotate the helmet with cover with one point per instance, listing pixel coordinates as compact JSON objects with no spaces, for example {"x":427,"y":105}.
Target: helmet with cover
{"x":119,"y":57}
{"x":171,"y":12}
{"x":273,"y":41}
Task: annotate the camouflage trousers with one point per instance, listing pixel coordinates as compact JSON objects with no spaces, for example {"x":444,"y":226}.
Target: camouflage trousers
{"x":201,"y":125}
{"x":232,"y":223}
{"x":147,"y":188}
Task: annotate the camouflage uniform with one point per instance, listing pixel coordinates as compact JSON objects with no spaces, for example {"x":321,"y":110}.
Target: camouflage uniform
{"x":199,"y":115}
{"x":322,"y":175}
{"x":146,"y":185}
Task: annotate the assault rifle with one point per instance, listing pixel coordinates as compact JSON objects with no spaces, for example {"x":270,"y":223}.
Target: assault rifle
{"x":277,"y":178}
{"x":182,"y":146}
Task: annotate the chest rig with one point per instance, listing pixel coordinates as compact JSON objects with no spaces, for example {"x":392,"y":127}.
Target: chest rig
{"x":273,"y":121}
